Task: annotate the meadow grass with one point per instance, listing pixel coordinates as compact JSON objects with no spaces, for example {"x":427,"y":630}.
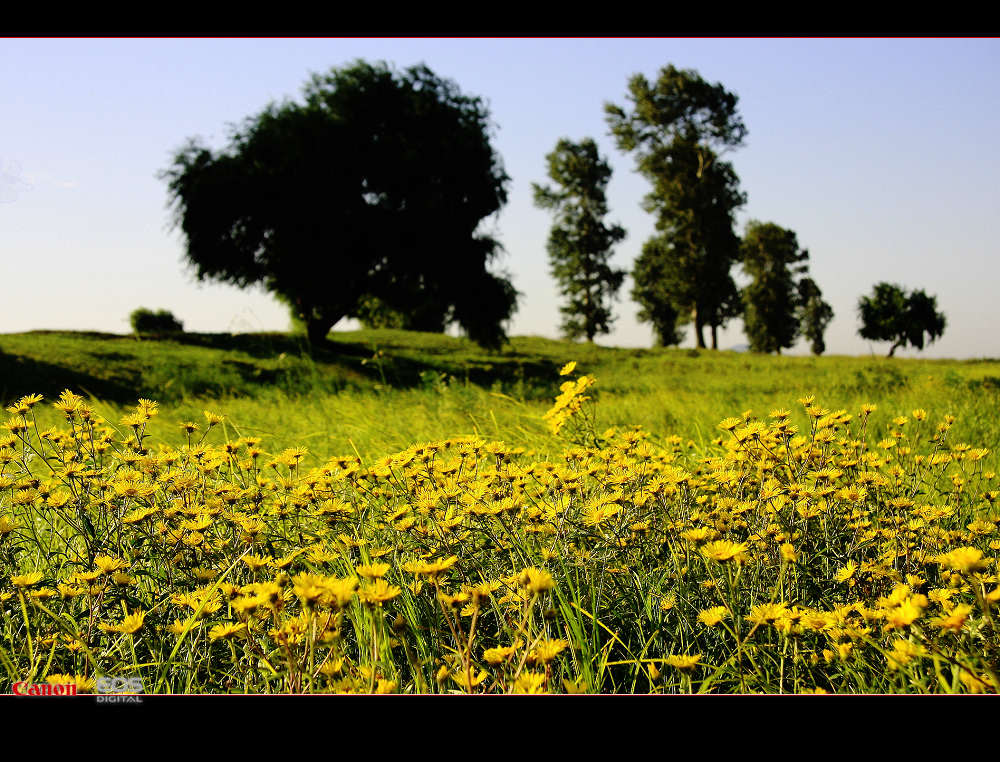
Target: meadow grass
{"x":410,"y":514}
{"x":378,"y":391}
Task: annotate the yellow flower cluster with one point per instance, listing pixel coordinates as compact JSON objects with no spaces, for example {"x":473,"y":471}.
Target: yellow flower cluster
{"x":778,"y":558}
{"x":569,"y":402}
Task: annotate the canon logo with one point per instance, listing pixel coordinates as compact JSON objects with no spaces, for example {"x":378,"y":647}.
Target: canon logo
{"x":24,"y":688}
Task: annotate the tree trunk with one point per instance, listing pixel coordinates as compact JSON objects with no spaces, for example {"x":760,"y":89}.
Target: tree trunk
{"x":698,"y":329}
{"x":715,"y":336}
{"x":894,"y":347}
{"x":317,"y":329}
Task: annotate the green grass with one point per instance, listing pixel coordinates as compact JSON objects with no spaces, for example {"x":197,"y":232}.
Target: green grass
{"x":616,"y":527}
{"x":378,"y":391}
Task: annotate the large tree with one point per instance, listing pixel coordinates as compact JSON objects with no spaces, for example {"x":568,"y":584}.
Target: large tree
{"x":364,"y":200}
{"x":895,"y":315}
{"x":580,"y":244}
{"x":678,"y":129}
{"x":694,"y":249}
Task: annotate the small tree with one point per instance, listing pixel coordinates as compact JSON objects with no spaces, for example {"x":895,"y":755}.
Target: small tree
{"x":772,"y":258}
{"x":653,"y":289}
{"x":146,"y":322}
{"x":580,"y":243}
{"x":892,"y":314}
{"x":814,"y":315}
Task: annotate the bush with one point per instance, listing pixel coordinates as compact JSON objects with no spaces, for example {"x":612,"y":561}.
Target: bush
{"x":146,"y":322}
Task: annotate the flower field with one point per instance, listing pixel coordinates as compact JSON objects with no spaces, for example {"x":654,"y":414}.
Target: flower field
{"x":829,"y":555}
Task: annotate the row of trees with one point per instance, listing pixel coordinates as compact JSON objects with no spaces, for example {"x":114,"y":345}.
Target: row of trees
{"x":677,"y":279}
{"x":678,"y":129}
{"x":368,"y":200}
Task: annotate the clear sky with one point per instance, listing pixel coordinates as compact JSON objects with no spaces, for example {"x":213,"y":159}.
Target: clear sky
{"x":881,"y":155}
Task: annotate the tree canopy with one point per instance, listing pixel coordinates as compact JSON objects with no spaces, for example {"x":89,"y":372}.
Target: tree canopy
{"x":652,"y":278}
{"x":678,"y":129}
{"x":814,"y":315}
{"x":580,"y":244}
{"x":772,"y":258}
{"x":892,"y":314}
{"x":364,"y":201}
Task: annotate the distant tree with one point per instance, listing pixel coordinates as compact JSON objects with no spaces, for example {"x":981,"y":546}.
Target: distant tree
{"x":772,"y":258}
{"x":892,"y":314}
{"x":365,"y":201}
{"x":580,"y":244}
{"x":678,"y":129}
{"x":652,"y":278}
{"x":144,"y":321}
{"x":695,"y":241}
{"x":814,"y":315}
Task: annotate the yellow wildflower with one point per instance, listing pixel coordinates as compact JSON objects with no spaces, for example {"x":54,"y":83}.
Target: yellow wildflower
{"x":530,"y":682}
{"x":26,"y":580}
{"x":547,"y":650}
{"x":499,"y":655}
{"x":954,"y":620}
{"x":711,"y":617}
{"x":963,"y":560}
{"x":130,"y":625}
{"x":213,"y":419}
{"x":724,"y":550}
{"x":973,"y":683}
{"x":683,"y":662}
{"x":380,"y":592}
{"x":536,"y":580}
{"x":846,"y":572}
{"x":340,"y":591}
{"x":227,"y":631}
{"x":373,"y":571}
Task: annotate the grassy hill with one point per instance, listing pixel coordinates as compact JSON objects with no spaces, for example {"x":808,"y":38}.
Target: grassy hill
{"x":379,"y":390}
{"x":120,"y":368}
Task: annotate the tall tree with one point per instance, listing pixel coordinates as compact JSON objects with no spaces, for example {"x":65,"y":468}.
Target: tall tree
{"x":772,"y":258}
{"x":814,"y":315}
{"x":678,"y":129}
{"x":696,"y":240}
{"x":365,"y":199}
{"x":580,"y":244}
{"x":895,"y":315}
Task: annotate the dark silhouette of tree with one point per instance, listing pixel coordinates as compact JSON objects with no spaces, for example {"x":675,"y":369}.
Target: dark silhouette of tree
{"x":652,"y":278}
{"x":781,"y":303}
{"x":145,"y":321}
{"x":892,"y":314}
{"x":580,"y":244}
{"x":678,"y":129}
{"x":364,"y":201}
{"x":772,"y":258}
{"x":814,"y":315}
{"x":695,"y":243}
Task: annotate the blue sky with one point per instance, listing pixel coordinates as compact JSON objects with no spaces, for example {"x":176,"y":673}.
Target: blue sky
{"x":881,"y":155}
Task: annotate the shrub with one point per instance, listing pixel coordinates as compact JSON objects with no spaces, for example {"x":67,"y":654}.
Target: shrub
{"x":145,"y":321}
